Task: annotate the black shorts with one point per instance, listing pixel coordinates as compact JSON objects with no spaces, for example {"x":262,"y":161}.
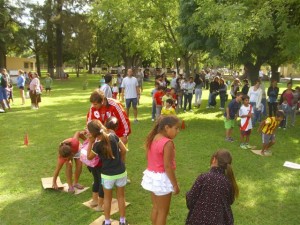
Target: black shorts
{"x":21,"y":87}
{"x":48,"y":89}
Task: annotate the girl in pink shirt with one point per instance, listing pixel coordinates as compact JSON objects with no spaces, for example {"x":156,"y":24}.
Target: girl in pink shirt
{"x":159,"y":177}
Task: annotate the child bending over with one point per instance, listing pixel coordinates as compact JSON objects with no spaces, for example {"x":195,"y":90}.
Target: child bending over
{"x":67,"y":151}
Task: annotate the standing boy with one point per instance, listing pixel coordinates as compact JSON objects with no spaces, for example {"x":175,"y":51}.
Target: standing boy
{"x":268,"y":128}
{"x":245,"y":113}
{"x":230,"y":115}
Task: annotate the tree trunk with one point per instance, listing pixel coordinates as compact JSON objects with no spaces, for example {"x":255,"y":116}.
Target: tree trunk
{"x":186,"y":66}
{"x":275,"y":73}
{"x":2,"y":55}
{"x":49,"y":34}
{"x":59,"y":41}
{"x":251,"y":72}
{"x":38,"y":63}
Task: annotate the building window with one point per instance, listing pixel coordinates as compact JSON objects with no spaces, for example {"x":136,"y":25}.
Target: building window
{"x":26,"y":65}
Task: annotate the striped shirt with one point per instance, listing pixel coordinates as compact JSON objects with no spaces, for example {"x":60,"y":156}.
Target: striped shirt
{"x":270,"y":125}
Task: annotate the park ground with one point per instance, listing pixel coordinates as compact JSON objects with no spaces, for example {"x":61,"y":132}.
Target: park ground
{"x":269,"y":192}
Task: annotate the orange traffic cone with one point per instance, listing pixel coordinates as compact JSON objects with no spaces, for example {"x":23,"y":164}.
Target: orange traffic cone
{"x":26,"y":139}
{"x":182,"y":125}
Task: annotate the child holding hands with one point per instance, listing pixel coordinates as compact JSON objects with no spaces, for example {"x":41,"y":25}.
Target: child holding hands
{"x":112,"y":152}
{"x":67,"y":151}
{"x":159,"y":177}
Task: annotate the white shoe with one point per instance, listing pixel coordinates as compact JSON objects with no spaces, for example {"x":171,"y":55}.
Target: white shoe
{"x":152,"y":120}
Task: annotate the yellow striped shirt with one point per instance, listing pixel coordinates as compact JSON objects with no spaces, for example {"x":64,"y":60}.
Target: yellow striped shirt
{"x":270,"y":124}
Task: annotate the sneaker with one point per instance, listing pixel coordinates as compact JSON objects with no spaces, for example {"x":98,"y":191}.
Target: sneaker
{"x":125,"y":223}
{"x":135,"y":121}
{"x":152,"y":120}
{"x":221,"y":108}
{"x":207,"y":107}
{"x":231,"y":139}
{"x":248,"y":146}
{"x":242,"y":146}
{"x":105,"y":223}
{"x":228,"y":139}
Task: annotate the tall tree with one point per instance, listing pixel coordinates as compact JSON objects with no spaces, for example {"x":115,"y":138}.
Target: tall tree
{"x":59,"y":38}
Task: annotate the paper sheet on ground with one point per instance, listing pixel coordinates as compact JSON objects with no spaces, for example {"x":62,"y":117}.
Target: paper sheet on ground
{"x":292,"y":165}
{"x":114,"y":205}
{"x":77,"y":191}
{"x":100,"y":220}
{"x":47,"y":182}
{"x":258,"y":152}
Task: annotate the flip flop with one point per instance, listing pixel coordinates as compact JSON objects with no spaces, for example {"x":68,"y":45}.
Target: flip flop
{"x":78,"y":186}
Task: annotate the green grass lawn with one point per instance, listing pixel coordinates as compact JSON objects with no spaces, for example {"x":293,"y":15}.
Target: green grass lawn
{"x":269,"y":192}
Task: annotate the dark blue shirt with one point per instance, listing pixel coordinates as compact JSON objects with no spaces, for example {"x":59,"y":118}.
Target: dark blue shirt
{"x":234,"y":107}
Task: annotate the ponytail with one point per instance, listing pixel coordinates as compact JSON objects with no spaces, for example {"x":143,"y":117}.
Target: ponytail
{"x":235,"y":189}
{"x":97,"y":129}
{"x":224,"y":161}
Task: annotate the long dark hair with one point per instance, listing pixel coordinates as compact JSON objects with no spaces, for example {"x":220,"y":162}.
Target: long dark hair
{"x":159,"y":126}
{"x":224,"y":161}
{"x":198,"y":80}
{"x":96,"y":129}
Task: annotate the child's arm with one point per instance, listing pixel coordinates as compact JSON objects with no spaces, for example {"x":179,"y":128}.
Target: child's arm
{"x":261,"y":126}
{"x":59,"y":165}
{"x":90,"y":153}
{"x":168,"y":156}
{"x":123,"y":150}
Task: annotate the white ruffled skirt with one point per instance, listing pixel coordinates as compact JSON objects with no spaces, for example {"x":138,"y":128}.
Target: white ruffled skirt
{"x":158,"y":183}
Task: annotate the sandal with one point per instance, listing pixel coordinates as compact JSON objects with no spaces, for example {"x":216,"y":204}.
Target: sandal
{"x":78,"y":186}
{"x":71,"y":190}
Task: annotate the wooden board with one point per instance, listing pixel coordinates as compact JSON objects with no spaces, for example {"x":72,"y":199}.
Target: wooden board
{"x":114,"y":205}
{"x":47,"y":183}
{"x":258,"y":152}
{"x":77,"y":191}
{"x":100,"y":220}
{"x":291,"y":165}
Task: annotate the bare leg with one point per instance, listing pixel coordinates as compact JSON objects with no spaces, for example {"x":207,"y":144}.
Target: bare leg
{"x":69,"y":173}
{"x":162,"y":204}
{"x":127,"y":111}
{"x":78,"y":170}
{"x":135,"y":113}
{"x":121,"y":200}
{"x":107,"y":202}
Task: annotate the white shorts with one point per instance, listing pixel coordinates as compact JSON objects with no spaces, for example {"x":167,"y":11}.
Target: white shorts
{"x":158,"y":183}
{"x":109,"y":184}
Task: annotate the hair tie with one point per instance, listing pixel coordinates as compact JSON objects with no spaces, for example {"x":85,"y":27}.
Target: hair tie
{"x":101,"y":131}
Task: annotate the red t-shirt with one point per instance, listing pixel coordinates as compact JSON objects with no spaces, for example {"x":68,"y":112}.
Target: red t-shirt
{"x":158,"y":97}
{"x":74,"y":148}
{"x":113,"y":108}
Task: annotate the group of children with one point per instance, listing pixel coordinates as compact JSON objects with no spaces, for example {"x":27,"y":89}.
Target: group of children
{"x":108,"y":153}
{"x":267,"y":127}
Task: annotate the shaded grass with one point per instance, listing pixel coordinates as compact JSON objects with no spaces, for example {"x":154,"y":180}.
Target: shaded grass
{"x":269,"y":192}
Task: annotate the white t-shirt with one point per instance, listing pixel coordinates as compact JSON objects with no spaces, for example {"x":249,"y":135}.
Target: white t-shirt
{"x":107,"y":90}
{"x":173,"y":82}
{"x":130,"y":84}
{"x":245,"y":111}
{"x":115,"y":89}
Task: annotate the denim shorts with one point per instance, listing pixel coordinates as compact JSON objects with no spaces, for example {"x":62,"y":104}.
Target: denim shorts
{"x":132,"y":101}
{"x":109,"y":184}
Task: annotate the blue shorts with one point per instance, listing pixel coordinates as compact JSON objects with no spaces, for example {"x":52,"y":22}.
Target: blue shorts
{"x":129,"y":101}
{"x":3,"y":93}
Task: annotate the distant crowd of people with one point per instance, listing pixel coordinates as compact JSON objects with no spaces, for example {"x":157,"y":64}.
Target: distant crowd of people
{"x":29,"y":85}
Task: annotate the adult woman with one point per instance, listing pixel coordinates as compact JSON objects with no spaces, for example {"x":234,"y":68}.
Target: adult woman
{"x":35,"y":91}
{"x":272,"y":93}
{"x":213,"y":92}
{"x":198,"y":90}
{"x":235,"y":87}
{"x":255,"y":95}
{"x":21,"y":85}
{"x":188,"y":93}
{"x":288,"y":94}
{"x":223,"y":93}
